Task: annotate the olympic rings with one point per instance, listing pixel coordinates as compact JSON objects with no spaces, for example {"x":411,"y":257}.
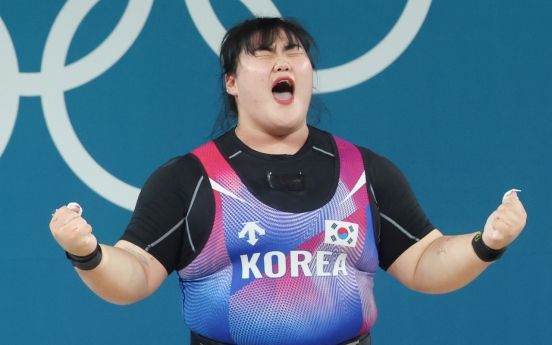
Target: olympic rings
{"x":55,"y":77}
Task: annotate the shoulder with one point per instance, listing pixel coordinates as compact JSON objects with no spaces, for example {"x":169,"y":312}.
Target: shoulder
{"x":380,"y":168}
{"x":177,"y":169}
{"x":374,"y":159}
{"x":377,"y":166}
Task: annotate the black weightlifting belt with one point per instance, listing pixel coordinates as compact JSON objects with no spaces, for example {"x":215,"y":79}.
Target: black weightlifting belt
{"x":196,"y":339}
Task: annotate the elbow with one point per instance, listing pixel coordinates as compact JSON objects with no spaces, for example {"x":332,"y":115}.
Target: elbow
{"x":120,"y":298}
{"x":432,"y":289}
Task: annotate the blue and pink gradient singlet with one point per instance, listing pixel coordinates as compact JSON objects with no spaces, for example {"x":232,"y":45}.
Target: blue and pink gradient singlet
{"x":272,"y":277}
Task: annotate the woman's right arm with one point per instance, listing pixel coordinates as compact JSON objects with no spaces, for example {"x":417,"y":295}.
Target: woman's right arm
{"x":125,"y":274}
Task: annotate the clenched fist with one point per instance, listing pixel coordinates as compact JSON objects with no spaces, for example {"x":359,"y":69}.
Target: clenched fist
{"x":506,"y":223}
{"x":71,"y":231}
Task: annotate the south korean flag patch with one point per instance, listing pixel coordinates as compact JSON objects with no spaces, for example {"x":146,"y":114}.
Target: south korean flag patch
{"x":341,"y":233}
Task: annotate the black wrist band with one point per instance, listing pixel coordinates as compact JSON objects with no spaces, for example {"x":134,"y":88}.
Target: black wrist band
{"x":87,"y":262}
{"x":483,"y":252}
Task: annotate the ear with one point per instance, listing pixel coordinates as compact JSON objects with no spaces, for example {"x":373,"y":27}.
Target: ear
{"x":231,"y":85}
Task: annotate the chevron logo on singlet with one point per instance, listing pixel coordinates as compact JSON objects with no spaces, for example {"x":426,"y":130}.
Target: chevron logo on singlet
{"x":341,"y":233}
{"x":249,"y":230}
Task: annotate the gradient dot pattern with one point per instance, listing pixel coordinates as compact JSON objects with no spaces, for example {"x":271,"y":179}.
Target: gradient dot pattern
{"x":239,"y":291}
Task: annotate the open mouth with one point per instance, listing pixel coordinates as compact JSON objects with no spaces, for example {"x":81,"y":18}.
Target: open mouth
{"x":283,"y":91}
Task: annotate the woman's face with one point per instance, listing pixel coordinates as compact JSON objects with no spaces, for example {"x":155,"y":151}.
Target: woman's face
{"x":272,"y":88}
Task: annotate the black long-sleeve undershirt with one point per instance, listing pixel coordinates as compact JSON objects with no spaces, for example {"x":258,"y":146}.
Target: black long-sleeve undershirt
{"x":160,"y":219}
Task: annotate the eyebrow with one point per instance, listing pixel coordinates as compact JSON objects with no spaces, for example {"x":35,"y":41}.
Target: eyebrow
{"x":292,"y":45}
{"x":288,"y":46}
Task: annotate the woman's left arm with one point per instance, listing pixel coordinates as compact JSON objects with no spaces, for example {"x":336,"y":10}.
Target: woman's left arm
{"x":440,"y":264}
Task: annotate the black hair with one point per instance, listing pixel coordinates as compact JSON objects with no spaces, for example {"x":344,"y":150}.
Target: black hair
{"x":250,"y":36}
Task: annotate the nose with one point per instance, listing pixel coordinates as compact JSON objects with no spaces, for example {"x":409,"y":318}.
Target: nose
{"x":281,"y":64}
{"x":283,"y":67}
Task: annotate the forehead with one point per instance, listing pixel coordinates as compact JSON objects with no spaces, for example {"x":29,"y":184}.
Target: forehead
{"x":268,"y":39}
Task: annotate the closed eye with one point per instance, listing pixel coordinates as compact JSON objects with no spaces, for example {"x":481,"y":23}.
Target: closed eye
{"x":263,"y":53}
{"x":294,"y":50}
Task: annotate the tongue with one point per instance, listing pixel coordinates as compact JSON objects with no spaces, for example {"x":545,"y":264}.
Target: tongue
{"x":283,"y":96}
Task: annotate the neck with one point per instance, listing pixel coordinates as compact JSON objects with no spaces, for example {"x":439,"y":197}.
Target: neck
{"x":276,"y":144}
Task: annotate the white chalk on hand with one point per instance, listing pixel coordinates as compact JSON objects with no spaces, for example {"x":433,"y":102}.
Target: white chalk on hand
{"x":509,"y":193}
{"x":71,"y":205}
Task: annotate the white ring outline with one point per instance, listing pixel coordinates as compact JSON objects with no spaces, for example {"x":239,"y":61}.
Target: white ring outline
{"x":9,"y":99}
{"x":55,"y":78}
{"x":336,"y":78}
{"x":61,"y":78}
